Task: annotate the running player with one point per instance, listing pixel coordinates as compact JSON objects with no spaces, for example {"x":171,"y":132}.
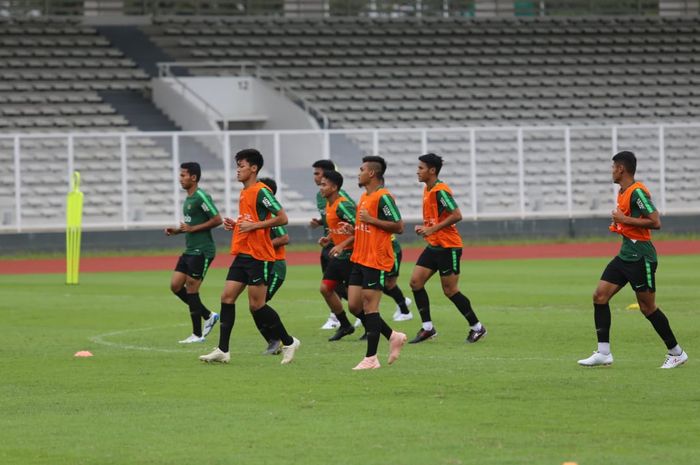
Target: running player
{"x":254,"y":253}
{"x":200,"y":217}
{"x":319,"y":167}
{"x":339,"y":211}
{"x":280,"y":239}
{"x":633,"y":218}
{"x":440,"y":214}
{"x":376,"y":220}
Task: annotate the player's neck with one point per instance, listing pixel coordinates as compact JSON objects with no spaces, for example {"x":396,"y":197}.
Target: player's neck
{"x":626,"y":183}
{"x":192,"y":190}
{"x":331,"y":199}
{"x":249,"y":182}
{"x":431,"y":183}
{"x":373,"y":186}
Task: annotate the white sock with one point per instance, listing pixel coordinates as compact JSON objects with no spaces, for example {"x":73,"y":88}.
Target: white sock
{"x":604,"y":348}
{"x":477,"y":326}
{"x":675,"y":350}
{"x":427,"y":325}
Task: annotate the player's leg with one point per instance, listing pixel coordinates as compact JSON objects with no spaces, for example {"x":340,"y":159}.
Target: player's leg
{"x":425,"y":268}
{"x":337,"y":272}
{"x":372,"y":286}
{"x":178,"y":279}
{"x":267,"y":317}
{"x":393,"y":290}
{"x":643,"y":282}
{"x":450,"y":287}
{"x":331,"y":322}
{"x":274,"y":283}
{"x":611,"y":281}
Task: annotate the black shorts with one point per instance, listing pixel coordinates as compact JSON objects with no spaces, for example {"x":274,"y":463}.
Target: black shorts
{"x":194,"y":266}
{"x":398,"y":255}
{"x":325,"y":256}
{"x":444,"y":261}
{"x":368,"y":278}
{"x":640,"y":274}
{"x":248,"y":270}
{"x":338,"y":270}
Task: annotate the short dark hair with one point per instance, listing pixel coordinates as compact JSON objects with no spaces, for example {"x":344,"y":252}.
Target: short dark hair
{"x":252,"y":156}
{"x":334,"y":177}
{"x":269,"y":182}
{"x":432,"y":160}
{"x":626,"y":159}
{"x":325,"y":165}
{"x":379,"y":161}
{"x":193,"y":168}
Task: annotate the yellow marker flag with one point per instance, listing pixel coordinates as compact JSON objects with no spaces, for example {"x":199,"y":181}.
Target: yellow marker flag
{"x":74,"y":223}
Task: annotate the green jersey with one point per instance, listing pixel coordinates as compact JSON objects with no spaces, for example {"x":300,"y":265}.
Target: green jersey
{"x":633,"y":250}
{"x":197,"y":209}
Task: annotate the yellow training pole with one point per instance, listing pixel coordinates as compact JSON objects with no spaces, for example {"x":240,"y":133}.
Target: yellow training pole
{"x":74,"y":222}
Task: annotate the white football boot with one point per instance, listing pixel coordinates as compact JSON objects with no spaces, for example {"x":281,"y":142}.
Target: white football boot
{"x":597,"y":359}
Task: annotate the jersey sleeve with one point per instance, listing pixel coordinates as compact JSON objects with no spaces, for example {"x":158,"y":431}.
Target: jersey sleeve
{"x":267,"y":201}
{"x":207,"y":204}
{"x":278,"y":231}
{"x":642,"y":202}
{"x":346,"y":211}
{"x":445,"y":202}
{"x":388,"y":210}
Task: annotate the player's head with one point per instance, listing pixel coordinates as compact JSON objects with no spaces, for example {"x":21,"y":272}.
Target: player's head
{"x":429,"y":166}
{"x":331,"y":182}
{"x":249,"y":162}
{"x":319,"y":167}
{"x":190,"y":174}
{"x":623,"y":162}
{"x":373,"y":167}
{"x":269,"y":182}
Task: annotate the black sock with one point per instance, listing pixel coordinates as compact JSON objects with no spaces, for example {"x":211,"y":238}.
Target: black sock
{"x":601,"y":317}
{"x":372,"y":324}
{"x":342,"y":291}
{"x":660,"y":323}
{"x":362,"y":318}
{"x":398,"y":297}
{"x":196,"y":305}
{"x":272,"y":321}
{"x":384,"y":328}
{"x":195,"y":315}
{"x":182,"y":295}
{"x":264,"y":331}
{"x":423,"y":304}
{"x":465,"y":308}
{"x":343,"y":319}
{"x":227,"y":320}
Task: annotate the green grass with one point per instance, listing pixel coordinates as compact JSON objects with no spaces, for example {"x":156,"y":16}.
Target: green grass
{"x":518,"y":397}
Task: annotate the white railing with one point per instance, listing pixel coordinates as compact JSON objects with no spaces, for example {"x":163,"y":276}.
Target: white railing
{"x":130,"y":179}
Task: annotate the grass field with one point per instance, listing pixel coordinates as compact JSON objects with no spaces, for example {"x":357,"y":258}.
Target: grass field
{"x":518,"y":397}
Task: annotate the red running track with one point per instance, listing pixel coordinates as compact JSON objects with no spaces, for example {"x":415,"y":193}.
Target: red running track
{"x":495,"y":252}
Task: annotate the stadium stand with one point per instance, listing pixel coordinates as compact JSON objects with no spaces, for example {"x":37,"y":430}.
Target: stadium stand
{"x":410,"y":73}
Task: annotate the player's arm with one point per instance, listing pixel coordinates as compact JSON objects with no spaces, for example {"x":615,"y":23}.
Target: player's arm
{"x":650,"y":218}
{"x":454,"y":215}
{"x":280,"y":237}
{"x":211,"y":223}
{"x":266,"y":202}
{"x":388,"y":217}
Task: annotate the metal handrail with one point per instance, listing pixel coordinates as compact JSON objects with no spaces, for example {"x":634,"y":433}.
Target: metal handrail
{"x":165,"y":69}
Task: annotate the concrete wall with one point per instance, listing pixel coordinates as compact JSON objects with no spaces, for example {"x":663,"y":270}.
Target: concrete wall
{"x":480,"y":230}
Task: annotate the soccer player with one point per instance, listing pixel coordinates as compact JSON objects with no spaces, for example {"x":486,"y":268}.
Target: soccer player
{"x":200,"y":217}
{"x":280,"y":239}
{"x":319,"y":167}
{"x":377,"y":218}
{"x":633,"y":218}
{"x":440,"y":214}
{"x":339,"y":211}
{"x":254,"y":255}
